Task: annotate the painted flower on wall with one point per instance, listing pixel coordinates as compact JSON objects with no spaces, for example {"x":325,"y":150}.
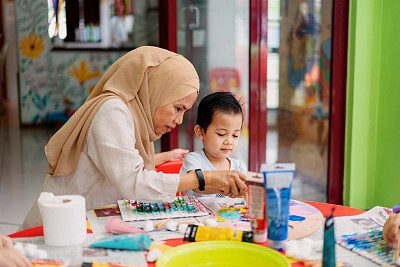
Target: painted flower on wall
{"x":31,"y":46}
{"x":82,"y":72}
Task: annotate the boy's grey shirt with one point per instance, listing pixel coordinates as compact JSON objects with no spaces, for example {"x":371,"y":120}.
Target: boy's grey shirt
{"x":198,"y":160}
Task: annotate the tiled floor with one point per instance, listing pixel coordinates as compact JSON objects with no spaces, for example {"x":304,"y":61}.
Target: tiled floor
{"x":23,"y":167}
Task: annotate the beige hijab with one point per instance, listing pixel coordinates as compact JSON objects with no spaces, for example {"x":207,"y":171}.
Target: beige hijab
{"x":145,"y":79}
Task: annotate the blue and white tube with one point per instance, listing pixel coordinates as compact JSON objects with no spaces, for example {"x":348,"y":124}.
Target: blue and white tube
{"x":278,"y":184}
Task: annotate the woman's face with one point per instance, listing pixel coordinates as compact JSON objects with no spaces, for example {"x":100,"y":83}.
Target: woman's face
{"x":169,"y":116}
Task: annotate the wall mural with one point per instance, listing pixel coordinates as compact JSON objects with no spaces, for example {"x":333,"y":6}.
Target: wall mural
{"x":52,"y":84}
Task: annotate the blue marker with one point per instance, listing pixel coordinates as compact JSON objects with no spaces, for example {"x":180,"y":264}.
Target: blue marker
{"x":396,"y":209}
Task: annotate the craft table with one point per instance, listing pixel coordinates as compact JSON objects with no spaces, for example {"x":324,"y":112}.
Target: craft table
{"x":325,"y":209}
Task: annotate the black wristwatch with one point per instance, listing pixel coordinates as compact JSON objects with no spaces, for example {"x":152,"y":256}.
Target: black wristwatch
{"x":200,"y":178}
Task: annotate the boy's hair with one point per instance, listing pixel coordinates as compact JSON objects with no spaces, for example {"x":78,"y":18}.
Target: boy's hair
{"x":217,"y":102}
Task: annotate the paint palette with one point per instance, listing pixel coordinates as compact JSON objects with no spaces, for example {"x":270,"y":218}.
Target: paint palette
{"x":181,"y":207}
{"x":304,"y":219}
{"x":369,"y":245}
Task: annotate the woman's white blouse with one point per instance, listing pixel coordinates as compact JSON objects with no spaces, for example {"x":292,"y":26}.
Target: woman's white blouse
{"x":109,"y":167}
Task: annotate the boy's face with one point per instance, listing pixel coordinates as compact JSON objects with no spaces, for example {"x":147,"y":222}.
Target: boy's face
{"x":222,"y":135}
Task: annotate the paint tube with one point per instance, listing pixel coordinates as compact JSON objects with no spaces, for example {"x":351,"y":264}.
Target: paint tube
{"x":137,"y":242}
{"x":207,"y":233}
{"x":257,"y":206}
{"x":328,"y":256}
{"x":278,"y":183}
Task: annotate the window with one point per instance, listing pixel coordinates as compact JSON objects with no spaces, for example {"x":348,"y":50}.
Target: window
{"x":103,"y":23}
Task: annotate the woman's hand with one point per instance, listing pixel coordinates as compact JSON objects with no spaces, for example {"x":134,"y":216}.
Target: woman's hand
{"x":230,"y":183}
{"x":172,"y":155}
{"x":177,"y":154}
{"x":391,"y":230}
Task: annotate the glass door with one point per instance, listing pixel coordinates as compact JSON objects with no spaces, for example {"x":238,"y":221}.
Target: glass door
{"x":299,"y":91}
{"x":293,"y":83}
{"x":214,"y":36}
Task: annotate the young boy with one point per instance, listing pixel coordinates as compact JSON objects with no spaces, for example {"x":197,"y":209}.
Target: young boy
{"x":218,"y":126}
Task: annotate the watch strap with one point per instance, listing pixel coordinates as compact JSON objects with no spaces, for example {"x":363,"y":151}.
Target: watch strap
{"x":200,"y":178}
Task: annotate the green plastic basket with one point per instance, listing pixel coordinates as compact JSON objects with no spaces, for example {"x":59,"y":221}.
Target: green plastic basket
{"x":222,"y":253}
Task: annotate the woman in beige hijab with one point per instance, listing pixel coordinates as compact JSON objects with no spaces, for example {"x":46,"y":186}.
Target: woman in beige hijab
{"x":105,"y":151}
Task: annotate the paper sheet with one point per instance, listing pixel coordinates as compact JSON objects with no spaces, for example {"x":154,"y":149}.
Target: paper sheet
{"x":374,"y":219}
{"x":98,"y":223}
